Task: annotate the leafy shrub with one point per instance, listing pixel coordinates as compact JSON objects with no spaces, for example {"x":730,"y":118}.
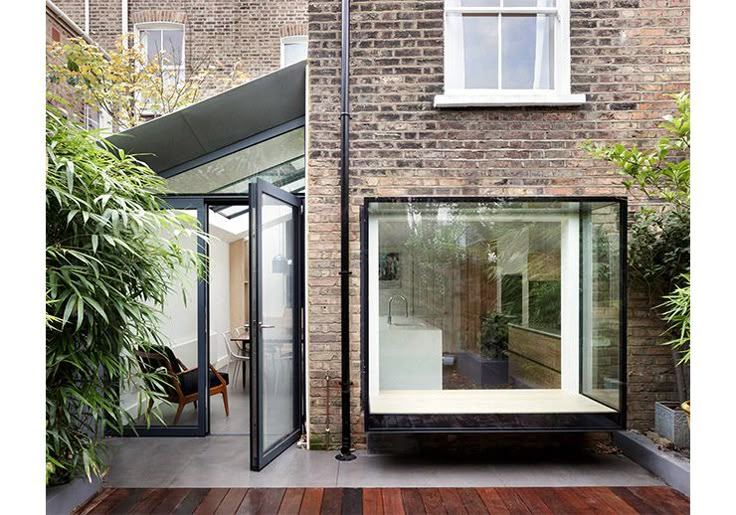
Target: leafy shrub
{"x":659,"y":248}
{"x":494,"y":336}
{"x":112,"y":257}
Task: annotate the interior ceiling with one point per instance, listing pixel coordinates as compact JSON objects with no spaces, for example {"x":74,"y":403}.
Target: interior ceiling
{"x":219,"y":121}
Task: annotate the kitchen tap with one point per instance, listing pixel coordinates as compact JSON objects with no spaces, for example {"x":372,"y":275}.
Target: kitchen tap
{"x":406,"y":305}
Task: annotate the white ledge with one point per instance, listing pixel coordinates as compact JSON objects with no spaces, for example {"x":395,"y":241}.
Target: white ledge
{"x":508,"y":100}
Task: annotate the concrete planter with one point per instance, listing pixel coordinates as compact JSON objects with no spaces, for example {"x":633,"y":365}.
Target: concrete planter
{"x":670,"y":421}
{"x":483,"y":371}
{"x":62,"y":499}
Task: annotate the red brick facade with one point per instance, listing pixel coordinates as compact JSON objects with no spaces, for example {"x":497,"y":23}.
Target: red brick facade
{"x":218,"y":33}
{"x":59,"y":29}
{"x":626,"y":56}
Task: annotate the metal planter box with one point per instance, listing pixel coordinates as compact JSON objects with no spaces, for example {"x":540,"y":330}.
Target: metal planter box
{"x":670,"y":422}
{"x":483,"y":371}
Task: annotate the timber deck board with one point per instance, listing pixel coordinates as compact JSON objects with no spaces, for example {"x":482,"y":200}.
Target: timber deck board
{"x":389,"y":501}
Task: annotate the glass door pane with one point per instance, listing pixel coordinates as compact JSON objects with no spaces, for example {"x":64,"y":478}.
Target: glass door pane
{"x":275,"y":322}
{"x":172,"y":365}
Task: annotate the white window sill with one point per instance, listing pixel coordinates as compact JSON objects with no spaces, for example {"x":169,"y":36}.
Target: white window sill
{"x":508,"y":100}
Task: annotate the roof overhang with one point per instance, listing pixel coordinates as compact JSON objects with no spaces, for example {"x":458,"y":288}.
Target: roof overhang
{"x":219,"y":121}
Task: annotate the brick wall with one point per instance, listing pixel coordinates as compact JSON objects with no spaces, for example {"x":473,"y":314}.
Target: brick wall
{"x":58,"y":31}
{"x":626,"y":56}
{"x":218,"y":33}
{"x":74,"y":9}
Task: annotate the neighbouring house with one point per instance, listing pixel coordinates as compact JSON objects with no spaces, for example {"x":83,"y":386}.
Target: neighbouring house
{"x":483,"y":251}
{"x":59,"y":29}
{"x":254,"y":36}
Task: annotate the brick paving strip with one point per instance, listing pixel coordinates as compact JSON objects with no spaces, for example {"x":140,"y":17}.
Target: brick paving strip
{"x":390,"y":501}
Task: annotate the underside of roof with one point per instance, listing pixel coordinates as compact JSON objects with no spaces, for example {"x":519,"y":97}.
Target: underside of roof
{"x":218,"y":122}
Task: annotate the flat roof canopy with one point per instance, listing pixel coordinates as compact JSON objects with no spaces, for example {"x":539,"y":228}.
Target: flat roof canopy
{"x":217,"y":122}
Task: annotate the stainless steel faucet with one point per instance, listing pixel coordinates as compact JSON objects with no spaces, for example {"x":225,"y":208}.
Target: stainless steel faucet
{"x":406,"y":305}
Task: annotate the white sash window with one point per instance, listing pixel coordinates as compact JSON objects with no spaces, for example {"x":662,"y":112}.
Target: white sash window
{"x":507,"y":52}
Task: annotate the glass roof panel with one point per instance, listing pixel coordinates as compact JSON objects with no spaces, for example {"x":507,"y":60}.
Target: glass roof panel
{"x":279,"y":160}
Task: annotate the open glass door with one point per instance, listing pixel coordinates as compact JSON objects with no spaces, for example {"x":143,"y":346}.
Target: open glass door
{"x":275,"y":322}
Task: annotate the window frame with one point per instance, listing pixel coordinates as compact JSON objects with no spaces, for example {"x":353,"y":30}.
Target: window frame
{"x":286,"y":40}
{"x":465,"y":97}
{"x":165,"y":26}
{"x":496,"y":422}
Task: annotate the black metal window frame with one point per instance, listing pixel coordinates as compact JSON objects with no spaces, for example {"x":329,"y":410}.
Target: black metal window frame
{"x":493,"y":423}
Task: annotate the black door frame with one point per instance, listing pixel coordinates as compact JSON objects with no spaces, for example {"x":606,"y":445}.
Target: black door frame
{"x":260,"y":457}
{"x":202,"y":204}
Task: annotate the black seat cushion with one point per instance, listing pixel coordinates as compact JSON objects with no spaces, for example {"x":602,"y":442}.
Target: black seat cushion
{"x":188,"y":381}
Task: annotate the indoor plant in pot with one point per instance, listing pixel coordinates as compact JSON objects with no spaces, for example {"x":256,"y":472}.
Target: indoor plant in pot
{"x":490,"y":368}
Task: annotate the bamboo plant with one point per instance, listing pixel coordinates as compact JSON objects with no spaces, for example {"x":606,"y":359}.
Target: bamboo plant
{"x":112,"y":256}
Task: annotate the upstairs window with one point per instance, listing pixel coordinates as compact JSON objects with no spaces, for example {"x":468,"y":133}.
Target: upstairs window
{"x":507,"y":52}
{"x":293,"y":50}
{"x":164,"y":42}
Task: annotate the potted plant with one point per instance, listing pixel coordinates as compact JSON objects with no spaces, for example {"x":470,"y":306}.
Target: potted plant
{"x":677,"y":314}
{"x":490,"y":367}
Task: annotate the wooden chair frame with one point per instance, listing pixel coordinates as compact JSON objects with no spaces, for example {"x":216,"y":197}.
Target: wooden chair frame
{"x":180,"y":398}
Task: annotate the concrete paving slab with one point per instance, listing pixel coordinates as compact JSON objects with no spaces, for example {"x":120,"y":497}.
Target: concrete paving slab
{"x":223,"y":461}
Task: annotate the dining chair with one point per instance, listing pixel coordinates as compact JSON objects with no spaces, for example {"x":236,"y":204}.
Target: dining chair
{"x":236,"y":359}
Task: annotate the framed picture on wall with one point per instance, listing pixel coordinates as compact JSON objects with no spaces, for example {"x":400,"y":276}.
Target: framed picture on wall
{"x":389,"y":267}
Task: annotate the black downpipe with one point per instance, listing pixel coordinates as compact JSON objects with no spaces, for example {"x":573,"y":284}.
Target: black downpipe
{"x":345,"y":448}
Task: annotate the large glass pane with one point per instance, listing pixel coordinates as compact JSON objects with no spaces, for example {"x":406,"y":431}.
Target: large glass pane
{"x":478,"y":3}
{"x":279,"y":160}
{"x":173,"y":46}
{"x":474,"y":297}
{"x":529,"y":3}
{"x":229,"y":333}
{"x":295,"y":52}
{"x":175,"y":358}
{"x":151,"y":41}
{"x":601,"y":302}
{"x":278,"y":316}
{"x":527,"y":48}
{"x":480,"y":51}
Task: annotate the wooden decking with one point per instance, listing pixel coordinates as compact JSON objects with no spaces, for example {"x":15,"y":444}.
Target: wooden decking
{"x":390,"y":501}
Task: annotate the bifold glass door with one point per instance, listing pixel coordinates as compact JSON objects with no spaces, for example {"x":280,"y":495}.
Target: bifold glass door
{"x":275,"y":322}
{"x":174,"y":366}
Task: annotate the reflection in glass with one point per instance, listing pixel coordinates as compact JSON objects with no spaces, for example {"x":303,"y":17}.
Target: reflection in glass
{"x":478,"y":289}
{"x":481,"y":296}
{"x":278,"y":315}
{"x":175,"y":357}
{"x":279,"y":160}
{"x":601,"y":303}
{"x":480,"y":42}
{"x":528,"y":3}
{"x":527,"y":48}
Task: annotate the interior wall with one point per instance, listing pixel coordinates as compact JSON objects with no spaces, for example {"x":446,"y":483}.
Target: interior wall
{"x":219,"y":299}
